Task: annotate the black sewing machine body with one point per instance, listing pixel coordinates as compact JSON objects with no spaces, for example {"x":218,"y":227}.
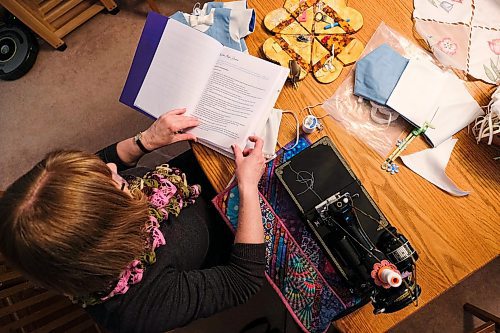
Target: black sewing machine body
{"x":351,"y":229}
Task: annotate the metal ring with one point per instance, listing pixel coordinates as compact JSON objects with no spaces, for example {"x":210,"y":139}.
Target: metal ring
{"x":319,"y":17}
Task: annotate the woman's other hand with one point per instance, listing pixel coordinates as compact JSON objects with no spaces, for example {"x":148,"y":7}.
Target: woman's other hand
{"x":169,"y":128}
{"x":250,"y":164}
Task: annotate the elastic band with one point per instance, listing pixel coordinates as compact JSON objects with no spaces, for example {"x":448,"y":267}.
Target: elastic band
{"x":488,"y":125}
{"x":297,"y":123}
{"x":297,"y":128}
{"x":377,"y":108}
{"x":197,"y":9}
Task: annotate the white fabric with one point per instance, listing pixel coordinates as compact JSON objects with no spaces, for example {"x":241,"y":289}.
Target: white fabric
{"x":457,"y":109}
{"x":431,"y":164}
{"x":270,"y":133}
{"x":242,"y":4}
{"x":239,"y":23}
{"x":484,"y":62}
{"x":425,"y":93}
{"x":195,"y":20}
{"x":416,"y":95}
{"x":487,"y":14}
{"x":444,"y":10}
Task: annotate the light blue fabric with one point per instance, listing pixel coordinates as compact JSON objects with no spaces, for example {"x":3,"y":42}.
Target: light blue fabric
{"x":220,"y":27}
{"x":378,"y":73}
{"x":220,"y":4}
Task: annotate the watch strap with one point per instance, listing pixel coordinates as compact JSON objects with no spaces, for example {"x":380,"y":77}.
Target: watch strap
{"x":137,"y":140}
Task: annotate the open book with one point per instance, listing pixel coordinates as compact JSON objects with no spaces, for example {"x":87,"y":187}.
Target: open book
{"x":230,"y":92}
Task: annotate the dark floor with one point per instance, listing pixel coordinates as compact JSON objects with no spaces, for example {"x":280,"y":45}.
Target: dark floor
{"x":445,"y":313}
{"x":70,"y":99}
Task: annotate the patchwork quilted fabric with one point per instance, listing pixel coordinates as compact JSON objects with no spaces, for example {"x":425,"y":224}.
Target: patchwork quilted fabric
{"x":317,"y":34}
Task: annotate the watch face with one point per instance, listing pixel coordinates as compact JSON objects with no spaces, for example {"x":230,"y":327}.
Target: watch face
{"x":137,"y":140}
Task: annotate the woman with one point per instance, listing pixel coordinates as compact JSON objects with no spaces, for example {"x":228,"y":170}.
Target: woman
{"x":73,"y":225}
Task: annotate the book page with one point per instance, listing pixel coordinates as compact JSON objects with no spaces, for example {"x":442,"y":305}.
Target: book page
{"x":179,"y":71}
{"x":239,"y":95}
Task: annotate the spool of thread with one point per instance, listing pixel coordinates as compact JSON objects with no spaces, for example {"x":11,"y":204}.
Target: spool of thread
{"x":309,"y":124}
{"x":390,"y":277}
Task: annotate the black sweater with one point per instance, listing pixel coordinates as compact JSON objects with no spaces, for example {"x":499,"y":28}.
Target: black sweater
{"x":179,"y":287}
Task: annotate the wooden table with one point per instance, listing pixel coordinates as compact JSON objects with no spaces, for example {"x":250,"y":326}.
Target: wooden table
{"x":454,"y":236}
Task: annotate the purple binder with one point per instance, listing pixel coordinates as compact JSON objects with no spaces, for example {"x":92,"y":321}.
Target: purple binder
{"x":150,"y":38}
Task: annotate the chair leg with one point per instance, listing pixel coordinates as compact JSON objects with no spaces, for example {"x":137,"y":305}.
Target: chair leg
{"x":488,"y":327}
{"x":481,"y":314}
{"x":109,"y":4}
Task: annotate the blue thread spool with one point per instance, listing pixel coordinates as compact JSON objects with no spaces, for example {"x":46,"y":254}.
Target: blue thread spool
{"x":309,"y":124}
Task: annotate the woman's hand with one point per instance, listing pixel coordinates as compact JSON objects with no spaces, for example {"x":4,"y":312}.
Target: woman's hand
{"x":169,"y":128}
{"x":250,"y":164}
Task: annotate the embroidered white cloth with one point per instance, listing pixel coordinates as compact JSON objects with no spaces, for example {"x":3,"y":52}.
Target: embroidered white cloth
{"x":464,"y":34}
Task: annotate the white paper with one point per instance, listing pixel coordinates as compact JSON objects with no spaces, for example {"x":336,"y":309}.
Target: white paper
{"x":418,"y":91}
{"x":230,"y":92}
{"x":179,"y":71}
{"x":238,"y":99}
{"x":431,"y":164}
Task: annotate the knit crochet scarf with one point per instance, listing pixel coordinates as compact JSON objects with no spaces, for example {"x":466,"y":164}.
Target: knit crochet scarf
{"x":167,"y":192}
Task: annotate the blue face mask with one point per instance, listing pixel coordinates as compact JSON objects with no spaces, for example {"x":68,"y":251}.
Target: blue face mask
{"x":378,"y":73}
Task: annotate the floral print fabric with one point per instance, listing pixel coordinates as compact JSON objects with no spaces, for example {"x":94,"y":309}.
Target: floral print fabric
{"x":464,"y":34}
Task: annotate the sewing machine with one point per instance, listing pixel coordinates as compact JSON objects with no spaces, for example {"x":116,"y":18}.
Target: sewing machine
{"x":376,"y":261}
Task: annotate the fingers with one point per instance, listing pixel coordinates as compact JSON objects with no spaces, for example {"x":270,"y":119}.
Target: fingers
{"x":185,"y":123}
{"x":177,"y":111}
{"x":259,"y":143}
{"x":238,"y":155}
{"x":185,"y":137}
{"x":247,"y":151}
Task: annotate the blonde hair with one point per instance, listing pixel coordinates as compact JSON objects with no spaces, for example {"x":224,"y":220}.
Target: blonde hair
{"x":66,"y":225}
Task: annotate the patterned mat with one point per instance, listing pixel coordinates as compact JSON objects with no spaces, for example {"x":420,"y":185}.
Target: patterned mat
{"x":296,"y":268}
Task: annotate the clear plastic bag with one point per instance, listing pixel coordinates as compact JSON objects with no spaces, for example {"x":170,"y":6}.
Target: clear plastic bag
{"x":354,"y":114}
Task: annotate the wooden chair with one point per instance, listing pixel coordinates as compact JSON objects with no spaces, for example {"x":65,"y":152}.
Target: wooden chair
{"x":492,"y":322}
{"x":25,"y":308}
{"x":54,"y":19}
